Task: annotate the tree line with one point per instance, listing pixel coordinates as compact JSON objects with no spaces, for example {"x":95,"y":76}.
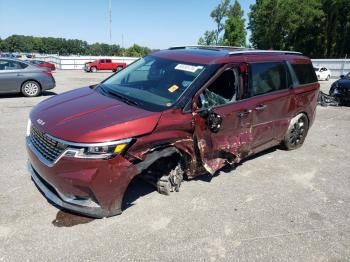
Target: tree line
{"x":317,"y":28}
{"x":62,"y":46}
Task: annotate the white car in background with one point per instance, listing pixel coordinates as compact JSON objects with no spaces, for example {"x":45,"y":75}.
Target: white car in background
{"x":323,"y":73}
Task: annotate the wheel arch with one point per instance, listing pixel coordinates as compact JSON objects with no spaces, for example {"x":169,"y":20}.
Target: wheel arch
{"x":164,"y":151}
{"x":156,"y":153}
{"x":302,"y":112}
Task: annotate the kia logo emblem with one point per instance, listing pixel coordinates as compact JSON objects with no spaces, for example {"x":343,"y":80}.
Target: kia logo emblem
{"x":40,"y":122}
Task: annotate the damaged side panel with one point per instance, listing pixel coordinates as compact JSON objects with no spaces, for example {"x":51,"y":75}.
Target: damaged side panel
{"x":173,"y":135}
{"x":231,"y":142}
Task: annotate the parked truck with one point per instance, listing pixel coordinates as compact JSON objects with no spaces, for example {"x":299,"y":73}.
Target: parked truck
{"x":103,"y":64}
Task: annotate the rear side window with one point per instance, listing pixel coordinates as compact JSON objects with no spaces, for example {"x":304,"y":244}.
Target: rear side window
{"x":267,"y":77}
{"x":305,"y":73}
{"x":108,"y":61}
{"x":11,"y":65}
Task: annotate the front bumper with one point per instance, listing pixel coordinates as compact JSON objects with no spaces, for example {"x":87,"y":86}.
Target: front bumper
{"x":53,"y":195}
{"x":90,"y":187}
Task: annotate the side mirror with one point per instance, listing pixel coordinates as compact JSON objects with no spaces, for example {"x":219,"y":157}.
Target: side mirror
{"x":342,"y":76}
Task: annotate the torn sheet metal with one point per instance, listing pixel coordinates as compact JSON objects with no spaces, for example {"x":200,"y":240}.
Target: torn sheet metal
{"x":327,"y":100}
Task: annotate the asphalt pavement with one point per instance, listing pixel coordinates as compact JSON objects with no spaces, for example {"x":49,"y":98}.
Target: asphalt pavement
{"x":277,"y":206}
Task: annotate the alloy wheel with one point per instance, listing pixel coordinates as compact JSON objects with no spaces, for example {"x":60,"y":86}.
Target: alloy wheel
{"x":31,"y":89}
{"x":297,"y":132}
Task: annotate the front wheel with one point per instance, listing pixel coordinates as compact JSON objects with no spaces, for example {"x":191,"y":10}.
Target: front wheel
{"x":93,"y":69}
{"x":296,"y":132}
{"x":30,"y":89}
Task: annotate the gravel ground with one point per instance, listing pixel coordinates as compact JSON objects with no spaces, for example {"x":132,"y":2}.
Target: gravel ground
{"x":278,"y":206}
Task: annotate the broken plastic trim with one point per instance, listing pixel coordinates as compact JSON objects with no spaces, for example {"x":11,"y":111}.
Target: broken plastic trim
{"x":327,"y":100}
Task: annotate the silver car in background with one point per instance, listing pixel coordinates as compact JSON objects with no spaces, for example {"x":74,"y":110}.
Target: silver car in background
{"x":17,"y":76}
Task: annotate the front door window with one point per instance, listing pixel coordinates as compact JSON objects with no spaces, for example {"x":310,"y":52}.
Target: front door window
{"x":222,"y":91}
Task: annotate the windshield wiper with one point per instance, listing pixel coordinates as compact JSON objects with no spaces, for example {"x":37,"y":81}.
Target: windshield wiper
{"x":118,"y":95}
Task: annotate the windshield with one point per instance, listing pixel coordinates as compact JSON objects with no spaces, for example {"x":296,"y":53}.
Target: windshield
{"x":153,"y":82}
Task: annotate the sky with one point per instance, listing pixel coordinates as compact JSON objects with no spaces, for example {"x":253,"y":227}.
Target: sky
{"x":157,"y":24}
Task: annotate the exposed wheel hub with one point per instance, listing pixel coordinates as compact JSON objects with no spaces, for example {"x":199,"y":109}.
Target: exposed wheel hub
{"x":171,"y":182}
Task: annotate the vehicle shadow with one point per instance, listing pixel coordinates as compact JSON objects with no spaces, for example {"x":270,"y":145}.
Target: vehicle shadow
{"x":65,"y":218}
{"x":229,"y":168}
{"x":136,"y":189}
{"x":45,"y":93}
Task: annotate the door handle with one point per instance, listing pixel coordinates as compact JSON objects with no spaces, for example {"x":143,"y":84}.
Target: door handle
{"x":244,"y":113}
{"x":260,"y":107}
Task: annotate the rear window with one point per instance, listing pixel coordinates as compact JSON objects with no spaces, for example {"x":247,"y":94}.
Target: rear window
{"x":11,"y":65}
{"x":305,"y":73}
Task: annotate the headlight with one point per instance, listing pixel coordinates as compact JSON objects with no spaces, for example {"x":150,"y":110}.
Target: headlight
{"x":98,"y":150}
{"x":29,"y":124}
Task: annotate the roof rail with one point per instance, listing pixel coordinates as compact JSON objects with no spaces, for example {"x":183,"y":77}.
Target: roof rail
{"x":235,"y":50}
{"x":207,"y":47}
{"x":256,"y":51}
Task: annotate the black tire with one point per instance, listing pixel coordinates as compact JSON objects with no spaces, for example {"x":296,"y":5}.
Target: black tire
{"x":31,"y":88}
{"x":296,"y":133}
{"x":93,"y":69}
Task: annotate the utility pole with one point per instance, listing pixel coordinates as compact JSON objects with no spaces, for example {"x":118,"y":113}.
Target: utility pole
{"x":110,"y":21}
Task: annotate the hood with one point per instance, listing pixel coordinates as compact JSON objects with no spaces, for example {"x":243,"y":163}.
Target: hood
{"x":86,"y":116}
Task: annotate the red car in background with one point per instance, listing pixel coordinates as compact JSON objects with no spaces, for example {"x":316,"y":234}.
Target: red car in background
{"x":49,"y":66}
{"x":103,"y":64}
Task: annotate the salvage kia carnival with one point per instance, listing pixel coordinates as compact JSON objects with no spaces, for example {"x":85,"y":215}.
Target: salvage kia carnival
{"x":172,"y":115}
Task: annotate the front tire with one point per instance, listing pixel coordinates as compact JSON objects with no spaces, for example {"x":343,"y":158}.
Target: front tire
{"x":30,"y":89}
{"x":296,"y":133}
{"x":93,"y":69}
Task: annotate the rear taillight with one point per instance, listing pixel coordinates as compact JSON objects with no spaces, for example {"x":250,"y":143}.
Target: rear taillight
{"x":47,"y":73}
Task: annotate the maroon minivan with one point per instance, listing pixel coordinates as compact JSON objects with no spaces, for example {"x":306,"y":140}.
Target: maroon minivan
{"x":172,"y":115}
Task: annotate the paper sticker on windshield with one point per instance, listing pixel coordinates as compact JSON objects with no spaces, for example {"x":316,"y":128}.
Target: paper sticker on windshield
{"x":188,"y":68}
{"x":173,"y":88}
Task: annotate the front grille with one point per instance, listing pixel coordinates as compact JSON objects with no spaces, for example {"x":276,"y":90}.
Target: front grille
{"x":49,"y":148}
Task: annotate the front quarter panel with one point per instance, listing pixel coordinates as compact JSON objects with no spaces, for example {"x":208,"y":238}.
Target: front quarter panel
{"x":174,"y":129}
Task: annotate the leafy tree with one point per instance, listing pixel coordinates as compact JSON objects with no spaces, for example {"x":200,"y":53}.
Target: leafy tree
{"x":337,"y":25}
{"x":137,"y":51}
{"x":318,"y":28}
{"x":235,"y":33}
{"x":218,"y":15}
{"x":209,"y":38}
{"x":62,"y":46}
